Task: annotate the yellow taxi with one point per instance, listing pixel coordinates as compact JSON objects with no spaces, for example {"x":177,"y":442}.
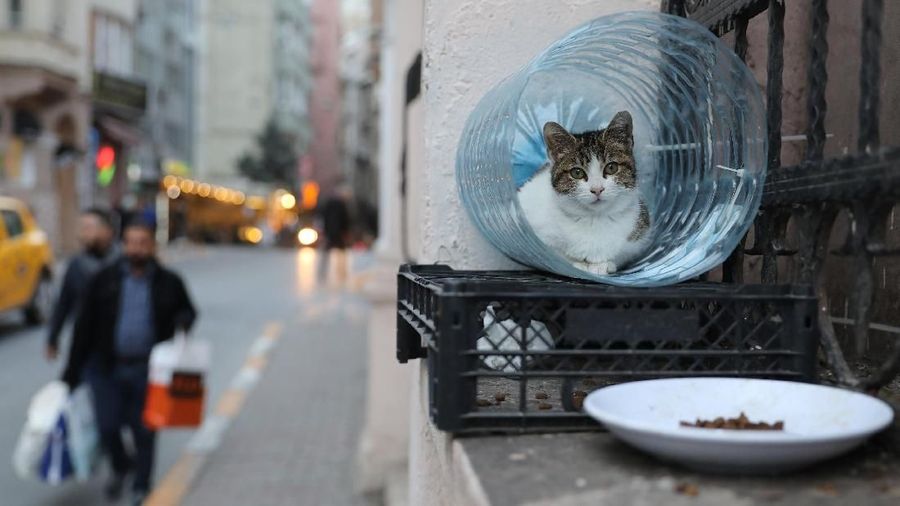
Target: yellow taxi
{"x":26,"y":263}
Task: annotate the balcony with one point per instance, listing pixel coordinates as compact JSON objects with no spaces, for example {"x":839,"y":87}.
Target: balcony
{"x":27,"y":48}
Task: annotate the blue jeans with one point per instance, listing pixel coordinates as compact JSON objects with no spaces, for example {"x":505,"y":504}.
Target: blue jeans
{"x":119,"y":397}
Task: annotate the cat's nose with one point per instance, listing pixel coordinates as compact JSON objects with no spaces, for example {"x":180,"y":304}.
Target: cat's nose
{"x":597,"y":190}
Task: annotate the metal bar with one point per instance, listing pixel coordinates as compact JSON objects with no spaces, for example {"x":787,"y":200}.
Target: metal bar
{"x":870,"y":75}
{"x":733,"y":268}
{"x":720,"y":16}
{"x":863,"y":286}
{"x":587,"y":352}
{"x":881,"y":327}
{"x":633,"y":373}
{"x":844,"y":179}
{"x":817,"y":79}
{"x":765,"y":239}
{"x":740,"y":37}
{"x":674,"y":7}
{"x":774,"y":81}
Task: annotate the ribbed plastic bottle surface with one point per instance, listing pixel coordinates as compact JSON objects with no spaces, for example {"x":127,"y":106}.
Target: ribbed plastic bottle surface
{"x":699,"y":141}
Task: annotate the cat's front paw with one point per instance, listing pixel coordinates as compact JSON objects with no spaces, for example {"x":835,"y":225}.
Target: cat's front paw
{"x":601,"y":268}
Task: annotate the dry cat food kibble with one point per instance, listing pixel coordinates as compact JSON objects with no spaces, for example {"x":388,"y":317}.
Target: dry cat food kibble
{"x":739,"y":423}
{"x":500,"y":397}
{"x":483,"y":403}
{"x":545,"y":406}
{"x":578,"y":399}
{"x":541,"y":395}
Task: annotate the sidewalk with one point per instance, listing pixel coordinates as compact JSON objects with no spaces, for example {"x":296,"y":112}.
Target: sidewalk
{"x":292,"y":438}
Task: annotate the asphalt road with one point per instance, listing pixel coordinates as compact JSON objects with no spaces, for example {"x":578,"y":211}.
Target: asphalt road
{"x":239,"y":291}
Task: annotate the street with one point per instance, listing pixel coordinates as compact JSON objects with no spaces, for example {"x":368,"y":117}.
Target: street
{"x":241,"y":294}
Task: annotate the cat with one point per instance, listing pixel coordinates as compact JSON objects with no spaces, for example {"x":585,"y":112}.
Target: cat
{"x":584,"y":202}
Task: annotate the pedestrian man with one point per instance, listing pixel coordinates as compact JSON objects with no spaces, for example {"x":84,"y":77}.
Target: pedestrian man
{"x":336,"y":228}
{"x":96,"y":235}
{"x":128,"y":307}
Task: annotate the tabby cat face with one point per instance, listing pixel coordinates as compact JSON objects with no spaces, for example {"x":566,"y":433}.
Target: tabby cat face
{"x":593,"y":168}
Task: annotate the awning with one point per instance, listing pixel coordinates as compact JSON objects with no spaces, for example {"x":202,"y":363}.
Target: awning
{"x":120,"y":131}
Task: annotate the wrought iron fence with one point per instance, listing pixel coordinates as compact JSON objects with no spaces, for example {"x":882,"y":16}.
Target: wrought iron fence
{"x":802,"y":202}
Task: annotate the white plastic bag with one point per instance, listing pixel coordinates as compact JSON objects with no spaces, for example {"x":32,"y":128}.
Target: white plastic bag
{"x":504,"y":335}
{"x":43,"y":414}
{"x":83,"y":438}
{"x":60,"y":437}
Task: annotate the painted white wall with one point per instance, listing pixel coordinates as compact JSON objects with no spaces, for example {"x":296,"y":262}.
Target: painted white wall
{"x":470,"y":45}
{"x":401,"y":40}
{"x":384,"y":442}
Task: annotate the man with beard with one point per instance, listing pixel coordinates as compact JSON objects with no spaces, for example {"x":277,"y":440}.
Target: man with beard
{"x":95,"y":233}
{"x":128,"y":307}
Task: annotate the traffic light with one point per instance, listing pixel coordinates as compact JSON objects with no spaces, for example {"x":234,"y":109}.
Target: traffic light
{"x":106,"y":165}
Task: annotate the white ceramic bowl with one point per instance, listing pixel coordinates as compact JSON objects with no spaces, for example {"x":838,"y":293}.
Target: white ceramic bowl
{"x":820,"y":422}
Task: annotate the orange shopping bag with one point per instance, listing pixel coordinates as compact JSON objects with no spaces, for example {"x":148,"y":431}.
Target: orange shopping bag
{"x":175,"y":390}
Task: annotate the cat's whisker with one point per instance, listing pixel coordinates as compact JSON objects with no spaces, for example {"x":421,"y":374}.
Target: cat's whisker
{"x":739,"y":172}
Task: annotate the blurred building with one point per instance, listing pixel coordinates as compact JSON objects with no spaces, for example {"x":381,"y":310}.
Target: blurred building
{"x":119,"y":100}
{"x":254,"y":65}
{"x":292,"y":79}
{"x":359,"y":117}
{"x":66,"y":90}
{"x":323,"y":163}
{"x":165,"y":60}
{"x":43,"y":114}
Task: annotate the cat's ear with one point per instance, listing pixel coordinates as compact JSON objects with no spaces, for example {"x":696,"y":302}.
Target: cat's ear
{"x":619,"y":130}
{"x":559,"y":141}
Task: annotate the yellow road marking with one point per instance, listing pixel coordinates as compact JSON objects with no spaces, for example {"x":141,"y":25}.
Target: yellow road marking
{"x":174,"y":486}
{"x":230,"y":403}
{"x":178,"y":480}
{"x":257,"y":362}
{"x":273,"y":330}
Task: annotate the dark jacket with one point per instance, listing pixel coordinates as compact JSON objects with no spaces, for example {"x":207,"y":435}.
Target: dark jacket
{"x":79,"y":272}
{"x":336,"y":218}
{"x":96,"y":325}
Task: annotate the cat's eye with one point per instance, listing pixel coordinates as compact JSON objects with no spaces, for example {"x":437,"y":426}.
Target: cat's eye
{"x":612,"y":169}
{"x":577,"y":173}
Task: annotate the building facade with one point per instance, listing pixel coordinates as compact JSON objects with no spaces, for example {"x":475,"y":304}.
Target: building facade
{"x":254,"y":66}
{"x":165,"y":60}
{"x":323,"y":162}
{"x":118,"y":104}
{"x":359,"y":116}
{"x":66,"y":87}
{"x":43,"y":113}
{"x":291,"y":77}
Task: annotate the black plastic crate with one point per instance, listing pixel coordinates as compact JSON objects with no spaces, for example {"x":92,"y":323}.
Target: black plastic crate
{"x":497,"y":342}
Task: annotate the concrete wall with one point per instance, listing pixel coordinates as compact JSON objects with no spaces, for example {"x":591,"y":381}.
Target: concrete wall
{"x":385,"y":440}
{"x":469,"y":47}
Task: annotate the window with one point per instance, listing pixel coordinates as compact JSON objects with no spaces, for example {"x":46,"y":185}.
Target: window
{"x":13,"y":223}
{"x":113,"y":46}
{"x":59,"y":20}
{"x":16,"y":13}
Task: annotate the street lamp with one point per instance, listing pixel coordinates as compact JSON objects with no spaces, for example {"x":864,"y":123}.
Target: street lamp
{"x":288,"y":201}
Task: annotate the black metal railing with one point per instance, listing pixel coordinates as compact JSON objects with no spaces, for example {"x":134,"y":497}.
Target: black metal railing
{"x":802,"y":203}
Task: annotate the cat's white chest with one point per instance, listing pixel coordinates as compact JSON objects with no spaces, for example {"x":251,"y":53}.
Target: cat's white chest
{"x":595,"y":242}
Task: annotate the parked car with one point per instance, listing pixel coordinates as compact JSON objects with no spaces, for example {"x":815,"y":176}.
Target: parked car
{"x":26,"y":263}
